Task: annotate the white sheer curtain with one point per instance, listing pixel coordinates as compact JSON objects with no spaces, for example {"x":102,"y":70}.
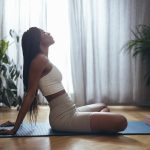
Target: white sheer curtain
{"x":51,"y":16}
{"x":101,"y":72}
{"x":98,"y":30}
{"x":19,"y":16}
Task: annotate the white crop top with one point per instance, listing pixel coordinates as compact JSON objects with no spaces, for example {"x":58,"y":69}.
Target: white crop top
{"x":51,"y":82}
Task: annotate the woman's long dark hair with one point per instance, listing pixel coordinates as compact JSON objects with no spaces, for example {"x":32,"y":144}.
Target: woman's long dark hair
{"x":31,"y":47}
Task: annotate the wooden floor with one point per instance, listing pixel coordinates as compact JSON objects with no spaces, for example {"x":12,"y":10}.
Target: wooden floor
{"x":123,"y":142}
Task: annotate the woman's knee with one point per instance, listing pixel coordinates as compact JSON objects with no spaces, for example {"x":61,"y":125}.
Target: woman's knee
{"x":121,"y":123}
{"x":108,"y":122}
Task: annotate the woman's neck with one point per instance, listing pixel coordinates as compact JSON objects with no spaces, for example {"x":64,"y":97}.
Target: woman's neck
{"x":45,"y":51}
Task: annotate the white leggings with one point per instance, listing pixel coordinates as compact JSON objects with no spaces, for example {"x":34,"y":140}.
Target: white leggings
{"x":64,"y":116}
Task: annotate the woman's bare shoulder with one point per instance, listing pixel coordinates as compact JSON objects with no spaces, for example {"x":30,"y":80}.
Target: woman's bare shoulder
{"x":41,"y":57}
{"x":40,"y":62}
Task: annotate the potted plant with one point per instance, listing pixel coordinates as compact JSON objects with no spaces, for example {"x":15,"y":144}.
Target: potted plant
{"x":140,"y":45}
{"x":9,"y":73}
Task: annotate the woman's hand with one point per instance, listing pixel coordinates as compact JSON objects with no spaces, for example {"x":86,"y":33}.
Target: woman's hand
{"x":7,"y":132}
{"x":7,"y":124}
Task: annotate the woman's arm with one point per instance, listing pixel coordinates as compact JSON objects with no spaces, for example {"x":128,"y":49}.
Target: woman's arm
{"x":36,"y":70}
{"x":27,"y":101}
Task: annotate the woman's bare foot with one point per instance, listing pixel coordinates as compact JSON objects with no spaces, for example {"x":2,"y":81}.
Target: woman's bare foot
{"x":106,"y":109}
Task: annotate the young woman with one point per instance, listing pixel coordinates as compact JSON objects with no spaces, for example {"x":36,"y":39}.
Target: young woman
{"x":40,"y":73}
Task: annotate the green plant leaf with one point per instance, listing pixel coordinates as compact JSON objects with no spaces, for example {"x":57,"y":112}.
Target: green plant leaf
{"x":9,"y":73}
{"x":140,"y":45}
{"x":6,"y":59}
{"x":11,"y":84}
{"x":5,"y":98}
{"x":3,"y":47}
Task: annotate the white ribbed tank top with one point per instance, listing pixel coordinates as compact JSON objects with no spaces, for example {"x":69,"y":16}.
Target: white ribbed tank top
{"x":51,"y":82}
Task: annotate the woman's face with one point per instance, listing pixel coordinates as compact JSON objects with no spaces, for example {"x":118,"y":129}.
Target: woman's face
{"x":46,"y":39}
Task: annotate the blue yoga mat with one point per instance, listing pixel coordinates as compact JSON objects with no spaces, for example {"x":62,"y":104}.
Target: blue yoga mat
{"x":44,"y":129}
